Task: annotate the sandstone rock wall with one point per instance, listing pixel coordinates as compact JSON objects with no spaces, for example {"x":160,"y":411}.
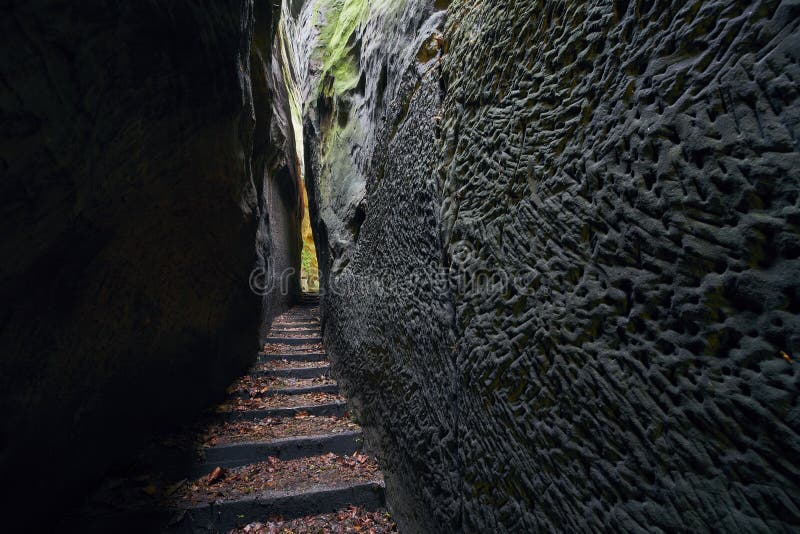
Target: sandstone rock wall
{"x":144,"y":176}
{"x":609,"y":194}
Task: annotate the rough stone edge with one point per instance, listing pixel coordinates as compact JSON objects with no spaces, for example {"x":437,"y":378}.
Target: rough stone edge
{"x":298,"y":372}
{"x":308,"y":357}
{"x":239,"y":454}
{"x":224,"y":516}
{"x":335,"y":409}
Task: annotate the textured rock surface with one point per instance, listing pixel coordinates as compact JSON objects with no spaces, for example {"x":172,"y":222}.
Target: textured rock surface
{"x":143,"y":179}
{"x":634,"y":169}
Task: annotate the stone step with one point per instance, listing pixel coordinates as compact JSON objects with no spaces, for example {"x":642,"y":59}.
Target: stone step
{"x":235,"y":403}
{"x":323,"y":388}
{"x":223,"y":516}
{"x":268,"y":429}
{"x":335,"y":409}
{"x":301,"y":332}
{"x":239,"y":454}
{"x":296,"y":333}
{"x":300,"y":357}
{"x":294,"y":340}
{"x":312,"y":331}
{"x":272,"y":487}
{"x":295,"y":372}
{"x":297,"y":324}
{"x":259,"y":386}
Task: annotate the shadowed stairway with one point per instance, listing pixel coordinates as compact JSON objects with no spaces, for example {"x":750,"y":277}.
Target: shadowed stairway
{"x":281,"y":446}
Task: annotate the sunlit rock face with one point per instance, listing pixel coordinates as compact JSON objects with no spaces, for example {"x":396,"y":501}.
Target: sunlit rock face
{"x":144,"y":178}
{"x":608,"y":193}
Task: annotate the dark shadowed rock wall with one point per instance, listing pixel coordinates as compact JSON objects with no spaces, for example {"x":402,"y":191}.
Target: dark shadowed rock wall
{"x":144,"y":176}
{"x":609,"y":193}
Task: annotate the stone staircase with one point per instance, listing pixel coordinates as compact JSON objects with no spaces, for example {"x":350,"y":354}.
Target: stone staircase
{"x":282,"y":446}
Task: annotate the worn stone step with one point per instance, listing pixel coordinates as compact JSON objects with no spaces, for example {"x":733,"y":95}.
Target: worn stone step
{"x":296,"y":333}
{"x":239,"y":454}
{"x":268,"y":429}
{"x":293,"y":331}
{"x":322,"y":388}
{"x":296,"y":324}
{"x":350,"y":519}
{"x":278,"y":400}
{"x":294,"y":340}
{"x":296,"y":372}
{"x":293,"y":372}
{"x":273,"y":487}
{"x":300,"y":357}
{"x":293,"y":350}
{"x":334,"y":409}
{"x":259,"y":386}
{"x":223,"y":516}
{"x":300,"y":332}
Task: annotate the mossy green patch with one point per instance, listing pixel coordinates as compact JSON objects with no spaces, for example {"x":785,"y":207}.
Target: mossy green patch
{"x":339,"y":20}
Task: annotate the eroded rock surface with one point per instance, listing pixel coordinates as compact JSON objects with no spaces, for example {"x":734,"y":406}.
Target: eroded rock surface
{"x":144,"y":177}
{"x":628,"y":173}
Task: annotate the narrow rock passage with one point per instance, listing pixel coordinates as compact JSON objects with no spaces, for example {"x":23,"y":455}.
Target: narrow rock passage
{"x":280,"y":454}
{"x":282,"y":447}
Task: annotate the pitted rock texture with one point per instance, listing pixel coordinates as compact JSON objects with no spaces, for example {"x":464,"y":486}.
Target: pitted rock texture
{"x":388,"y":327}
{"x":614,"y":202}
{"x":143,"y":180}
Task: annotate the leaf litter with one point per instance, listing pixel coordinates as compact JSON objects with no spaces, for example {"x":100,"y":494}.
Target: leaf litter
{"x":275,"y":428}
{"x":278,"y":401}
{"x":254,"y":386}
{"x":286,"y":364}
{"x":346,"y":520}
{"x":328,"y":470}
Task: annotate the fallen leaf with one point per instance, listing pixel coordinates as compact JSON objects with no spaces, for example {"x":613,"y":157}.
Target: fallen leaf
{"x":216,"y":475}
